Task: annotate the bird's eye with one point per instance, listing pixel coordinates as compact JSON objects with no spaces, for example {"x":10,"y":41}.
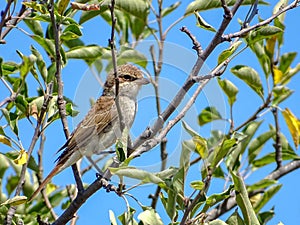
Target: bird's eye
{"x":128,"y":77}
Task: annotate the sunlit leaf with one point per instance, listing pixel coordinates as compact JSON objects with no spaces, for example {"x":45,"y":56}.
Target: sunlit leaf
{"x":142,"y":175}
{"x":243,"y":200}
{"x":167,"y":10}
{"x":17,"y":200}
{"x":293,"y":124}
{"x":201,"y":146}
{"x":34,"y":26}
{"x":62,"y":5}
{"x":280,"y":93}
{"x":197,"y":185}
{"x":229,"y":89}
{"x":264,"y":183}
{"x":266,"y":196}
{"x":149,"y":216}
{"x":5,"y":140}
{"x":85,"y":52}
{"x":286,"y":61}
{"x":287,"y":154}
{"x":215,"y":198}
{"x":199,"y":5}
{"x":203,"y":24}
{"x":262,"y":33}
{"x":256,"y":144}
{"x":278,"y":75}
{"x":228,"y":52}
{"x":71,"y":32}
{"x":208,"y":114}
{"x":250,"y":77}
{"x":264,"y":60}
{"x":112,"y":218}
{"x":22,"y":158}
{"x":235,"y":219}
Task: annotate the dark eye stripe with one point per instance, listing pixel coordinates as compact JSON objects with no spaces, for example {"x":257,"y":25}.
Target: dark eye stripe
{"x":128,"y":77}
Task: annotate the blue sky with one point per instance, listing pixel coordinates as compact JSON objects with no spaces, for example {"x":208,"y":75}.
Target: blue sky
{"x":80,"y":85}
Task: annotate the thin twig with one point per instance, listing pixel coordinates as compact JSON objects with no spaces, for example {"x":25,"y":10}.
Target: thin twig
{"x":60,"y":97}
{"x":196,"y":44}
{"x":246,"y":30}
{"x":35,"y":138}
{"x":277,"y":145}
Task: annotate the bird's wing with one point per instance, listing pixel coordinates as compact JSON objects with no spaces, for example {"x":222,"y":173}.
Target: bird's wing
{"x":98,"y":118}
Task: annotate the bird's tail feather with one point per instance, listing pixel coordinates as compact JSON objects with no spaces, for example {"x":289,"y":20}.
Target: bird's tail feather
{"x":56,"y":170}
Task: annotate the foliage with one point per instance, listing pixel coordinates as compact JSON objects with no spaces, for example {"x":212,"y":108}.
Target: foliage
{"x":227,"y":155}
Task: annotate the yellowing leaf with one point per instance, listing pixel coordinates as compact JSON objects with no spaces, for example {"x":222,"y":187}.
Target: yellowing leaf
{"x":293,"y":124}
{"x":200,"y":146}
{"x":50,"y":188}
{"x":22,"y":158}
{"x":5,"y":140}
{"x":277,"y":75}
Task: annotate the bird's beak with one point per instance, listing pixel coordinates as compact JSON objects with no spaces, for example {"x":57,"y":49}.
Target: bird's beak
{"x":143,"y":81}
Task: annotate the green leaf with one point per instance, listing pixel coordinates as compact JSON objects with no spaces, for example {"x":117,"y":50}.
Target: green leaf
{"x":208,"y":114}
{"x":71,"y":32}
{"x":229,"y":89}
{"x":256,"y":144}
{"x":40,"y":62}
{"x":46,"y":44}
{"x":34,"y":26}
{"x":280,"y":93}
{"x":286,"y":61}
{"x":9,"y":68}
{"x":243,"y":200}
{"x":228,"y":52}
{"x":221,"y":151}
{"x":189,"y":129}
{"x":27,"y":63}
{"x":17,"y":200}
{"x":215,"y":198}
{"x":62,"y":5}
{"x":203,"y":24}
{"x":199,"y":5}
{"x":267,"y":195}
{"x":262,"y":33}
{"x":264,"y":217}
{"x":250,"y":77}
{"x":262,"y":184}
{"x":91,"y":52}
{"x":270,"y":158}
{"x":235,"y":219}
{"x":197,"y":185}
{"x":142,"y":175}
{"x":290,"y":73}
{"x":70,"y":111}
{"x":22,"y":104}
{"x":233,"y":160}
{"x":150,"y":217}
{"x":4,"y":164}
{"x":127,"y":217}
{"x":166,"y":11}
{"x":217,"y":222}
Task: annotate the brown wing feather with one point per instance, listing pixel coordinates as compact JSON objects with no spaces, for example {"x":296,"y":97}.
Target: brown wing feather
{"x":94,"y":122}
{"x":96,"y":119}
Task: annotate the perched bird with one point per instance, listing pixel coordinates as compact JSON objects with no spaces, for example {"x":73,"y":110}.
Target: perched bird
{"x":101,"y":126}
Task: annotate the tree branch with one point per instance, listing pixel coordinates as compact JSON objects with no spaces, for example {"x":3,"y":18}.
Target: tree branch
{"x":60,"y":97}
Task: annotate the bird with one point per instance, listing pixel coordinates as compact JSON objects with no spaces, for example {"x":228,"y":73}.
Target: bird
{"x":100,"y":128}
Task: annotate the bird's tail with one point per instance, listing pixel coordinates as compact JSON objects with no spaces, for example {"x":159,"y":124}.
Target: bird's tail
{"x":56,"y":170}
